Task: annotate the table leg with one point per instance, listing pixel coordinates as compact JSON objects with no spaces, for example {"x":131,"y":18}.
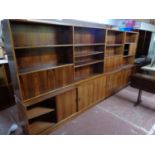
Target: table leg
{"x":139,"y":98}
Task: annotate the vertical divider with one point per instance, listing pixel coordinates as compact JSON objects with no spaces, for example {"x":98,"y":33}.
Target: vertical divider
{"x":106,"y":33}
{"x":73,"y":51}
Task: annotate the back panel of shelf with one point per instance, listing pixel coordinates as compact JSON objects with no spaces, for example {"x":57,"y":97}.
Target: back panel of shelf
{"x":85,"y":35}
{"x":115,"y":37}
{"x":131,"y":37}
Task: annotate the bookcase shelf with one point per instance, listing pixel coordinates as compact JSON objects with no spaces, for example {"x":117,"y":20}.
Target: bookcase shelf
{"x":81,"y":77}
{"x":109,"y":45}
{"x":89,"y":44}
{"x":39,"y":126}
{"x":38,"y":111}
{"x":88,"y":54}
{"x":42,"y":46}
{"x":128,"y":56}
{"x":41,"y":68}
{"x":80,"y":64}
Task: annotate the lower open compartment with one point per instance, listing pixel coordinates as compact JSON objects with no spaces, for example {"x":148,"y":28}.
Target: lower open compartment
{"x":41,"y":116}
{"x":48,"y":113}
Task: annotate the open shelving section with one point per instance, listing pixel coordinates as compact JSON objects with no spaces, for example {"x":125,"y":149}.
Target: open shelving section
{"x":114,"y":50}
{"x":88,"y":51}
{"x":61,"y":69}
{"x":131,"y":39}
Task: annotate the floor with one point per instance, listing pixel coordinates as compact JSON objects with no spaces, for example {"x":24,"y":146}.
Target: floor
{"x":115,"y":116}
{"x":9,"y":122}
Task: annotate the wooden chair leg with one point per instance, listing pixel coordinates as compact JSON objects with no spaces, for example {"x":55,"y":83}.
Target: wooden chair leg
{"x":139,"y":98}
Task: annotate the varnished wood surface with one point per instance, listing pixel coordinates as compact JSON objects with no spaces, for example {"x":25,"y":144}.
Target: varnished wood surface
{"x":88,"y":54}
{"x":66,"y":104}
{"x":115,"y":37}
{"x":113,"y":50}
{"x":87,"y":63}
{"x":38,"y":83}
{"x":131,"y":37}
{"x":38,"y":111}
{"x":113,"y":63}
{"x":90,"y":92}
{"x":88,"y":35}
{"x":117,"y":80}
{"x":38,"y":34}
{"x":41,"y":46}
{"x":38,"y":127}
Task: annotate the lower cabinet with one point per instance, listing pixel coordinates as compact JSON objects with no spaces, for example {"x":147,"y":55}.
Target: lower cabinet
{"x":117,"y":80}
{"x":126,"y":75}
{"x":91,"y":92}
{"x":66,"y":104}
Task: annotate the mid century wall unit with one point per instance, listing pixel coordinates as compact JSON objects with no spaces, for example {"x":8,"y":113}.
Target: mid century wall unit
{"x":60,"y":70}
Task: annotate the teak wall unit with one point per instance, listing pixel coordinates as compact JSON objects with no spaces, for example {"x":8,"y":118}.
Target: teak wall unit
{"x":60,"y":70}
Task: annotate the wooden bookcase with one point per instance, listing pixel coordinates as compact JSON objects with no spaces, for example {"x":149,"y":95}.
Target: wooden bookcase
{"x":59,"y":70}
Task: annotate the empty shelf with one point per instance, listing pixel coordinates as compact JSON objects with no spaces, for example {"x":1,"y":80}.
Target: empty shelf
{"x":38,"y":111}
{"x":88,"y":54}
{"x":87,"y":63}
{"x":43,"y":46}
{"x":39,"y":126}
{"x":42,"y":68}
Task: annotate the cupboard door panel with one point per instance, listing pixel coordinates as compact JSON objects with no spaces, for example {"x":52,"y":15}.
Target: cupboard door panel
{"x":66,"y":104}
{"x":91,"y":92}
{"x":37,"y":83}
{"x":117,"y":80}
{"x":132,"y":49}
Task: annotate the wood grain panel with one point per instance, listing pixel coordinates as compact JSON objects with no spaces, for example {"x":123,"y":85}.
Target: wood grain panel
{"x":113,"y":63}
{"x":132,"y":49}
{"x":131,"y":37}
{"x":34,"y":84}
{"x":91,"y":92}
{"x":117,"y":80}
{"x":66,"y":104}
{"x":83,"y":35}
